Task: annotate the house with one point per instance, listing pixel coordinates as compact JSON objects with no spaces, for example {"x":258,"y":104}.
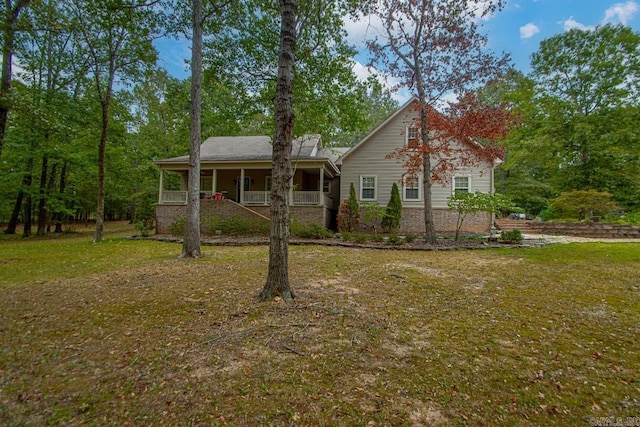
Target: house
{"x":235,"y":179}
{"x":373,"y":174}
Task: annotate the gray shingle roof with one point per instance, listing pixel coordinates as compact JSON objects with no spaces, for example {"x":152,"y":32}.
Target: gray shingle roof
{"x":242,"y":148}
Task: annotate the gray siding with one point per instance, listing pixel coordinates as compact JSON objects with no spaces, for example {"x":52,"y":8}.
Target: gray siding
{"x":368,"y":159}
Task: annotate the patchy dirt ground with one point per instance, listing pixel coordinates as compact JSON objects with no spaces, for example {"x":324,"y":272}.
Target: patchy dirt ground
{"x":124,"y":333}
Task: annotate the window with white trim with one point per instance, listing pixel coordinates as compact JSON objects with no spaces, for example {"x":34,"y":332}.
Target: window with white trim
{"x":268,"y":183}
{"x":368,"y":187}
{"x":411,"y":188}
{"x":461,"y":184}
{"x":411,"y":136}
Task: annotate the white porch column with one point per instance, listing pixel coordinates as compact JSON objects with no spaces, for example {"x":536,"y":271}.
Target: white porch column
{"x":321,"y":190}
{"x":214,"y":182}
{"x":241,"y":201}
{"x":161,"y":186}
{"x":291,"y":191}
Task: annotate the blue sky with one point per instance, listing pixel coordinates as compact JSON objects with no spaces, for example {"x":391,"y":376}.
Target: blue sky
{"x":523,"y":24}
{"x":518,"y":29}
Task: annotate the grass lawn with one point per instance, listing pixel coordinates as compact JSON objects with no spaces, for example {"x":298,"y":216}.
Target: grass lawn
{"x":122,"y":332}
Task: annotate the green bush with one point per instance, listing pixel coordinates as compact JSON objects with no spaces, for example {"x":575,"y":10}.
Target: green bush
{"x":377,"y":237}
{"x":409,"y":238}
{"x":582,"y":204}
{"x":632,"y":218}
{"x":239,"y":226}
{"x":349,"y":213}
{"x":310,"y":231}
{"x":393,"y":214}
{"x":359,"y":237}
{"x":513,"y":236}
{"x":394,"y":239}
{"x":178,"y":227}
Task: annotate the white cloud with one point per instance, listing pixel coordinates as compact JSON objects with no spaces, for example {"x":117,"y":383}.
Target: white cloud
{"x":363,"y":73}
{"x":361,"y":29}
{"x":481,"y":6}
{"x":620,"y":12}
{"x":529,"y":30}
{"x":571,"y":24}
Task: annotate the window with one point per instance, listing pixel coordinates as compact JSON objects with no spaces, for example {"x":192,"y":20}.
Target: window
{"x":412,"y":136}
{"x":367,"y":187}
{"x":461,"y":184}
{"x":268,"y":182}
{"x":326,"y":186}
{"x":412,"y":187}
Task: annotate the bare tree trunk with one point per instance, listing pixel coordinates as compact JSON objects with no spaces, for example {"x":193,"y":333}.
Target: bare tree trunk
{"x":63,"y":184}
{"x":28,"y":200}
{"x":429,"y":226}
{"x":102,"y":148}
{"x":42,"y":202}
{"x":8,"y":35}
{"x":13,"y":222}
{"x":278,"y":275}
{"x":50,"y":184}
{"x":191,"y":241}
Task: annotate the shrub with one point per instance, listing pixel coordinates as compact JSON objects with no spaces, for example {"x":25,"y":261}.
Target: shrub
{"x":373,"y":215}
{"x":581,"y":204}
{"x":310,"y":231}
{"x":377,"y":237}
{"x":144,"y":215}
{"x":513,"y":236}
{"x":349,"y":216}
{"x":393,"y":214}
{"x":359,"y":237}
{"x":394,"y":239}
{"x":239,"y":226}
{"x":178,"y":227}
{"x":409,"y":238}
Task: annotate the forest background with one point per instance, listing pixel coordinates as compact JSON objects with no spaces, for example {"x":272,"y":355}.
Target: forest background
{"x":578,"y":104}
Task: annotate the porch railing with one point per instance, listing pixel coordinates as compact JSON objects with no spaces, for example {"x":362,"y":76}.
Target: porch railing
{"x":174,"y":196}
{"x":300,"y":198}
{"x":256,"y":197}
{"x":306,"y":198}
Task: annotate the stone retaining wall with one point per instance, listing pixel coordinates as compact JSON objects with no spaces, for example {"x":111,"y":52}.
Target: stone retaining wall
{"x":581,"y":229}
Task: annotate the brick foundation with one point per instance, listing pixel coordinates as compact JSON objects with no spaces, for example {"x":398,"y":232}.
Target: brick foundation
{"x":166,"y":215}
{"x":412,"y":221}
{"x":444,"y":221}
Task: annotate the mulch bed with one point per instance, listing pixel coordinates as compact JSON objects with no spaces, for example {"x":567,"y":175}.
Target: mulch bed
{"x":416,"y":245}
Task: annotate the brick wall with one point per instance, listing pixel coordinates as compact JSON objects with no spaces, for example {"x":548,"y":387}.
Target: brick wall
{"x":444,"y":221}
{"x":166,"y":215}
{"x":412,"y":221}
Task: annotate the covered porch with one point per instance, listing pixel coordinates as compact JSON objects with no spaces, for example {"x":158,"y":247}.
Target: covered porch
{"x":248,"y":186}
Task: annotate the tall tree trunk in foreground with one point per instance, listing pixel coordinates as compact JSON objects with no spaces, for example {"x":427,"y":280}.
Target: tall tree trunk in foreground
{"x":278,"y":276}
{"x":13,"y":222}
{"x":42,"y":200}
{"x":8,"y":36}
{"x":191,"y":240}
{"x":63,"y":183}
{"x":102,"y":149}
{"x":28,"y":200}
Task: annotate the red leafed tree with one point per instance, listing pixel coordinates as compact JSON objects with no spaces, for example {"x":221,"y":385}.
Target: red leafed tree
{"x":464,"y":135}
{"x":434,"y":48}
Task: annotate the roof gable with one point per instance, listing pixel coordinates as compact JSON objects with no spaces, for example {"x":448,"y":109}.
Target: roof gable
{"x":400,"y":110}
